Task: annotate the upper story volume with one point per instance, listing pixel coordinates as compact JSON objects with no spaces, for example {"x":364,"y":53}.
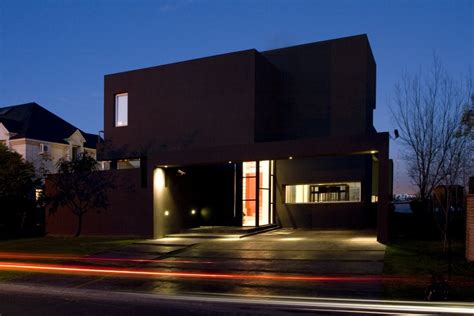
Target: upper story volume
{"x":313,"y":90}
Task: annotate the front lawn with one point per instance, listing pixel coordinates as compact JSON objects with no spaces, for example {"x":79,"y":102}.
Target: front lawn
{"x":412,"y":262}
{"x":66,"y":246}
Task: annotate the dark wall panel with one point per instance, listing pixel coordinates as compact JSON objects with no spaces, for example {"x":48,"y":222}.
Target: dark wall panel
{"x":130,"y":211}
{"x":329,"y":88}
{"x":192,"y":104}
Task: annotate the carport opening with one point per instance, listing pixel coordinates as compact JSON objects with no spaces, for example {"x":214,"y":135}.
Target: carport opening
{"x":232,"y":194}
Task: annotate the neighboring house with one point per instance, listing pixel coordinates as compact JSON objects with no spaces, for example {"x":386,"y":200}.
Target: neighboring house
{"x":248,"y":138}
{"x":448,"y":196}
{"x":42,"y":137}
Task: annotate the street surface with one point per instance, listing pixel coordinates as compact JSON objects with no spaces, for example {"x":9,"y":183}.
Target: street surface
{"x":274,"y":273}
{"x":31,"y":300}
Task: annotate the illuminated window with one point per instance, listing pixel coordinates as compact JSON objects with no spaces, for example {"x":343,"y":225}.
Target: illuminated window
{"x":257,"y":193}
{"x":38,"y":194}
{"x":323,"y":193}
{"x":121,"y":109}
{"x":249,"y":199}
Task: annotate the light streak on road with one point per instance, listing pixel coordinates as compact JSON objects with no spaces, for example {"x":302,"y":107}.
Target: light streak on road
{"x":245,"y":305}
{"x":16,"y":255}
{"x":156,"y":273}
{"x":349,"y":306}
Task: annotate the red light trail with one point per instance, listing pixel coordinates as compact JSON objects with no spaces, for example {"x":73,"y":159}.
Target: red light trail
{"x":154,"y":273}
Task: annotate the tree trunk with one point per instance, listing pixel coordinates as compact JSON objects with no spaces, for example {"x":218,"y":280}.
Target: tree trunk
{"x":79,"y":226}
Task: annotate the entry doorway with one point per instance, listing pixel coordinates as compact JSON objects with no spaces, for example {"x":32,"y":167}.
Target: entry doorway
{"x":257,"y":193}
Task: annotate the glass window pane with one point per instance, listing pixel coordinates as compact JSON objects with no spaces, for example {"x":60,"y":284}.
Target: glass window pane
{"x":121,"y":109}
{"x":323,"y":193}
{"x":264,"y":207}
{"x":271,"y":189}
{"x":249,"y":212}
{"x":249,"y":188}
{"x":249,"y":169}
{"x":264,"y":174}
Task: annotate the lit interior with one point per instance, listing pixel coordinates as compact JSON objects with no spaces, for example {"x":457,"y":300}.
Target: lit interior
{"x":323,"y":192}
{"x":121,"y":109}
{"x":249,"y":193}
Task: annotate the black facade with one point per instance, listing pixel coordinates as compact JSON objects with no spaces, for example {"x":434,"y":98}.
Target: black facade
{"x":307,"y":110}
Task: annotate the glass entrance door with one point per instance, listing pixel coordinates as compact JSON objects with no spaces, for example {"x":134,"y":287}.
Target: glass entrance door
{"x":249,"y":196}
{"x":257,"y":193}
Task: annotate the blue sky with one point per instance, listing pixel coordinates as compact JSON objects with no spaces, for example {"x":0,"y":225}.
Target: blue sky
{"x":56,"y":52}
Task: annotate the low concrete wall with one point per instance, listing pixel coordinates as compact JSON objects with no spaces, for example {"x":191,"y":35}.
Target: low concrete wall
{"x":470,"y":227}
{"x":130,"y":211}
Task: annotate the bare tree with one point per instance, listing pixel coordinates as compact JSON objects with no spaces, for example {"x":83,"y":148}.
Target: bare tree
{"x":456,"y":168}
{"x":428,"y":110}
{"x":433,"y":116}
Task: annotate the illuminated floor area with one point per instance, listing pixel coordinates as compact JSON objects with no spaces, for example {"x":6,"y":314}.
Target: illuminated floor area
{"x":223,"y":231}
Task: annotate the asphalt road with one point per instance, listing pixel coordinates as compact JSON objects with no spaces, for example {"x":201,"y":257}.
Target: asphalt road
{"x":41,"y":300}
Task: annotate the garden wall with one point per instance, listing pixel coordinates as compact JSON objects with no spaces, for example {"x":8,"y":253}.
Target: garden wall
{"x":130,"y":210}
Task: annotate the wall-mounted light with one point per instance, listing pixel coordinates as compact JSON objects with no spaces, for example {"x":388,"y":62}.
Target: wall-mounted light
{"x":159,"y":180}
{"x":229,"y":161}
{"x":167,"y":213}
{"x":373,"y":151}
{"x":193,"y":212}
{"x":290,"y":157}
{"x":166,"y":166}
{"x":395,"y":132}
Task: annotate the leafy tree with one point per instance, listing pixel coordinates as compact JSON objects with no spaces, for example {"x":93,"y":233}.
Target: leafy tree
{"x":79,"y":187}
{"x":17,"y":183}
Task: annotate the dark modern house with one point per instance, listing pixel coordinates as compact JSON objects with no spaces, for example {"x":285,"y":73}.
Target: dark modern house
{"x":249,"y":138}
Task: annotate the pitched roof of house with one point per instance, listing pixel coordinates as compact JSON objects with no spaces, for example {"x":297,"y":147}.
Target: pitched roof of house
{"x":31,"y":120}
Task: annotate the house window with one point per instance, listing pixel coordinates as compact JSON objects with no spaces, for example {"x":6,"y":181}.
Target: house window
{"x":75,"y":152}
{"x":43,"y":149}
{"x":121,"y":109}
{"x":323,"y":193}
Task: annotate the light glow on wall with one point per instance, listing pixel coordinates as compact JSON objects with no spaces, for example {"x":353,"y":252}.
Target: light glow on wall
{"x":158,"y":179}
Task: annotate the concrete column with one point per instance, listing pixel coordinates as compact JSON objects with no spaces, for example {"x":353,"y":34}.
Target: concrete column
{"x":470,"y":227}
{"x":383,"y":197}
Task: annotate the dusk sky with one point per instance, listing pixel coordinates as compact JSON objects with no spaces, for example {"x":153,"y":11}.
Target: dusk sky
{"x":56,"y":53}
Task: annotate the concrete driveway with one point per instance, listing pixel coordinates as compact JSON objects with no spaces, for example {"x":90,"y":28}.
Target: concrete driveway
{"x":284,"y":262}
{"x":325,"y":253}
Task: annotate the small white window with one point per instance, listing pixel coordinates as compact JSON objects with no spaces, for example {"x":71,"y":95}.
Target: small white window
{"x":43,"y":149}
{"x":121,"y":109}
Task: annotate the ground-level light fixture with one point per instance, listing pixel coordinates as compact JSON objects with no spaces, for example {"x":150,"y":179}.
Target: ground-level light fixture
{"x":167,"y":213}
{"x":373,"y":151}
